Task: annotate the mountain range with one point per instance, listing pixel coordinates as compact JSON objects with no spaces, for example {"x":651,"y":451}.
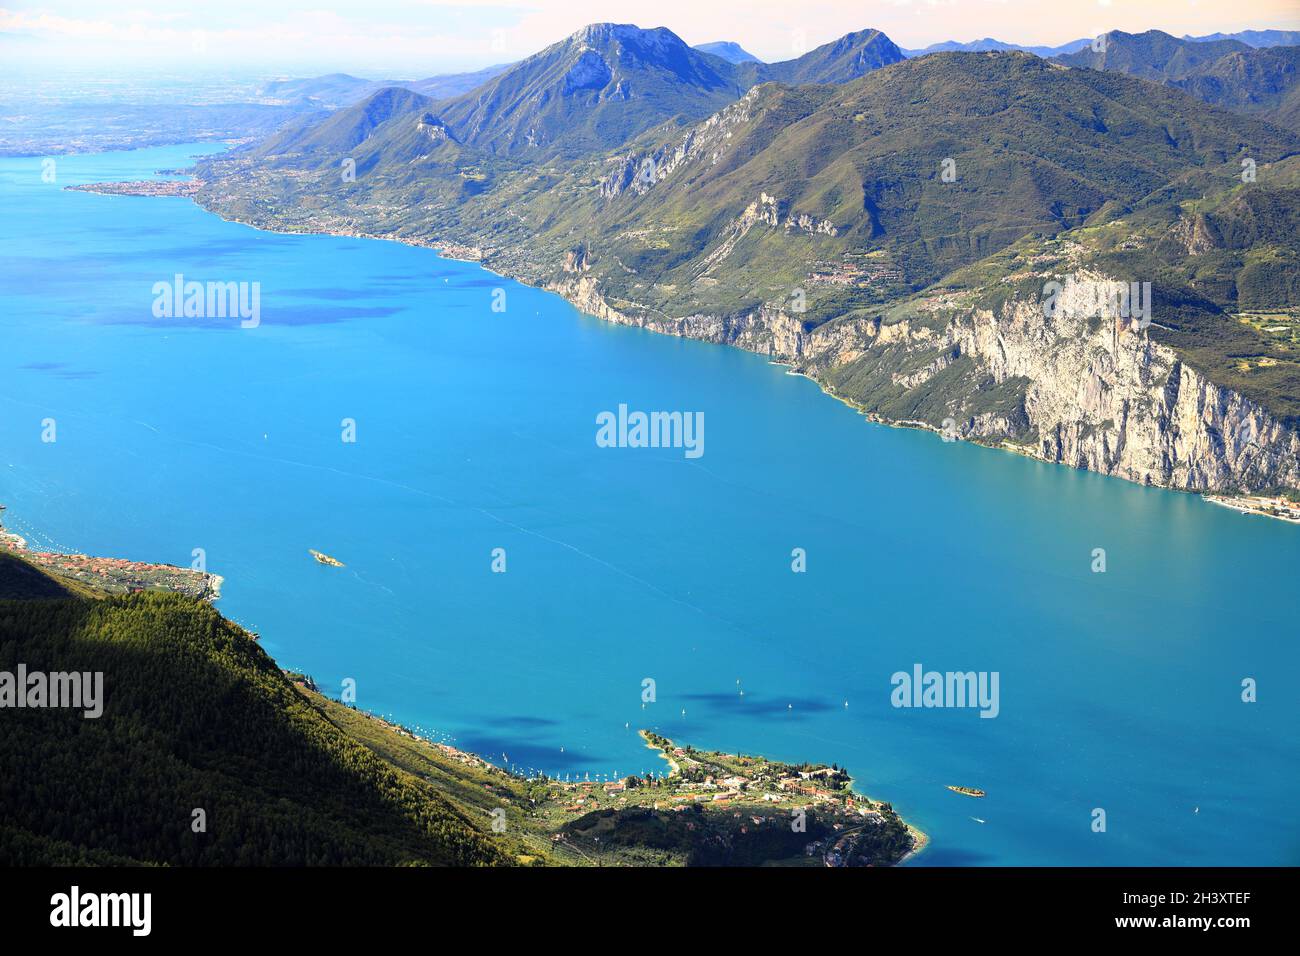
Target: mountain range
{"x":340,"y":89}
{"x":335,"y":90}
{"x":990,"y":45}
{"x":1254,"y":38}
{"x":821,"y":208}
{"x":1226,"y":72}
{"x":1249,"y":70}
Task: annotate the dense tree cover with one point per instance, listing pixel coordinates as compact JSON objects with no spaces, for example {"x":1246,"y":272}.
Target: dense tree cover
{"x":699,"y":837}
{"x":197,"y":715}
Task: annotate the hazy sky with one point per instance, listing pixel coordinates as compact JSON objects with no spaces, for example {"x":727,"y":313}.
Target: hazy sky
{"x":408,"y":38}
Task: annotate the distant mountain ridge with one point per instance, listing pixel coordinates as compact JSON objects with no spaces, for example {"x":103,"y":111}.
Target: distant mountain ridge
{"x":1253,"y":38}
{"x":594,"y":90}
{"x":1226,"y":72}
{"x":335,"y":90}
{"x":852,"y":165}
{"x":446,"y":85}
{"x":345,"y":129}
{"x":597,"y":86}
{"x":988,"y":44}
{"x":1153,"y":55}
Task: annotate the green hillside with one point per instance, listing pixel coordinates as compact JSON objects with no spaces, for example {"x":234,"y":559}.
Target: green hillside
{"x":1033,"y":149}
{"x":1263,"y":82}
{"x":840,"y":191}
{"x":1225,"y":270}
{"x":196,"y":715}
{"x":22,"y":580}
{"x":854,"y":170}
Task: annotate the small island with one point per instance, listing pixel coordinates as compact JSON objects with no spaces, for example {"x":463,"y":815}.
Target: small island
{"x":966,"y":791}
{"x":322,"y":558}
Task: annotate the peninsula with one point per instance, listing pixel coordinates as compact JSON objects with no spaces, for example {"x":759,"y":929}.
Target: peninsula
{"x":146,"y":187}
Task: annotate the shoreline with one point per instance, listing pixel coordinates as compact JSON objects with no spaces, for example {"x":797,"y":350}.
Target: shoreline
{"x":920,"y":839}
{"x":839,"y":800}
{"x":459,"y":252}
{"x":1261,"y":505}
{"x":1264,"y":506}
{"x":921,"y":842}
{"x":115,"y":575}
{"x":674,"y":766}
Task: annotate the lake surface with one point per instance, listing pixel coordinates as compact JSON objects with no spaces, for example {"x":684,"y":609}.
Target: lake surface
{"x":475,"y":430}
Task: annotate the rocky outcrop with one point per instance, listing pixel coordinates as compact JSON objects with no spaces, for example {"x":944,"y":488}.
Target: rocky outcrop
{"x":1109,"y":398}
{"x":1096,"y":391}
{"x":704,"y":142}
{"x":435,"y":129}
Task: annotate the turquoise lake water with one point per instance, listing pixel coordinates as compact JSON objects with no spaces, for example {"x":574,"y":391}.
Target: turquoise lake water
{"x":476,"y":430}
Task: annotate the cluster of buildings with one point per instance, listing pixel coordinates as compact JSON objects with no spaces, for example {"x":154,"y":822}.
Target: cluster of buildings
{"x":851,"y":274}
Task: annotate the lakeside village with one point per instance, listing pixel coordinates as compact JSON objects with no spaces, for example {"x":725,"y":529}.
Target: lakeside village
{"x":809,"y":809}
{"x":709,"y":808}
{"x":187,"y":188}
{"x":115,"y":575}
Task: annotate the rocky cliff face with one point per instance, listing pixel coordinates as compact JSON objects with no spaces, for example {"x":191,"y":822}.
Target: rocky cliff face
{"x":1077,"y":384}
{"x":1104,"y":395}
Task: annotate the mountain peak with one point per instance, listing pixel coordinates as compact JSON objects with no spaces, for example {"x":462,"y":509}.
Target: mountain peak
{"x":612,"y":34}
{"x":593,"y":89}
{"x":601,"y":32}
{"x":840,"y":60}
{"x":856,"y":38}
{"x":729,"y":51}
